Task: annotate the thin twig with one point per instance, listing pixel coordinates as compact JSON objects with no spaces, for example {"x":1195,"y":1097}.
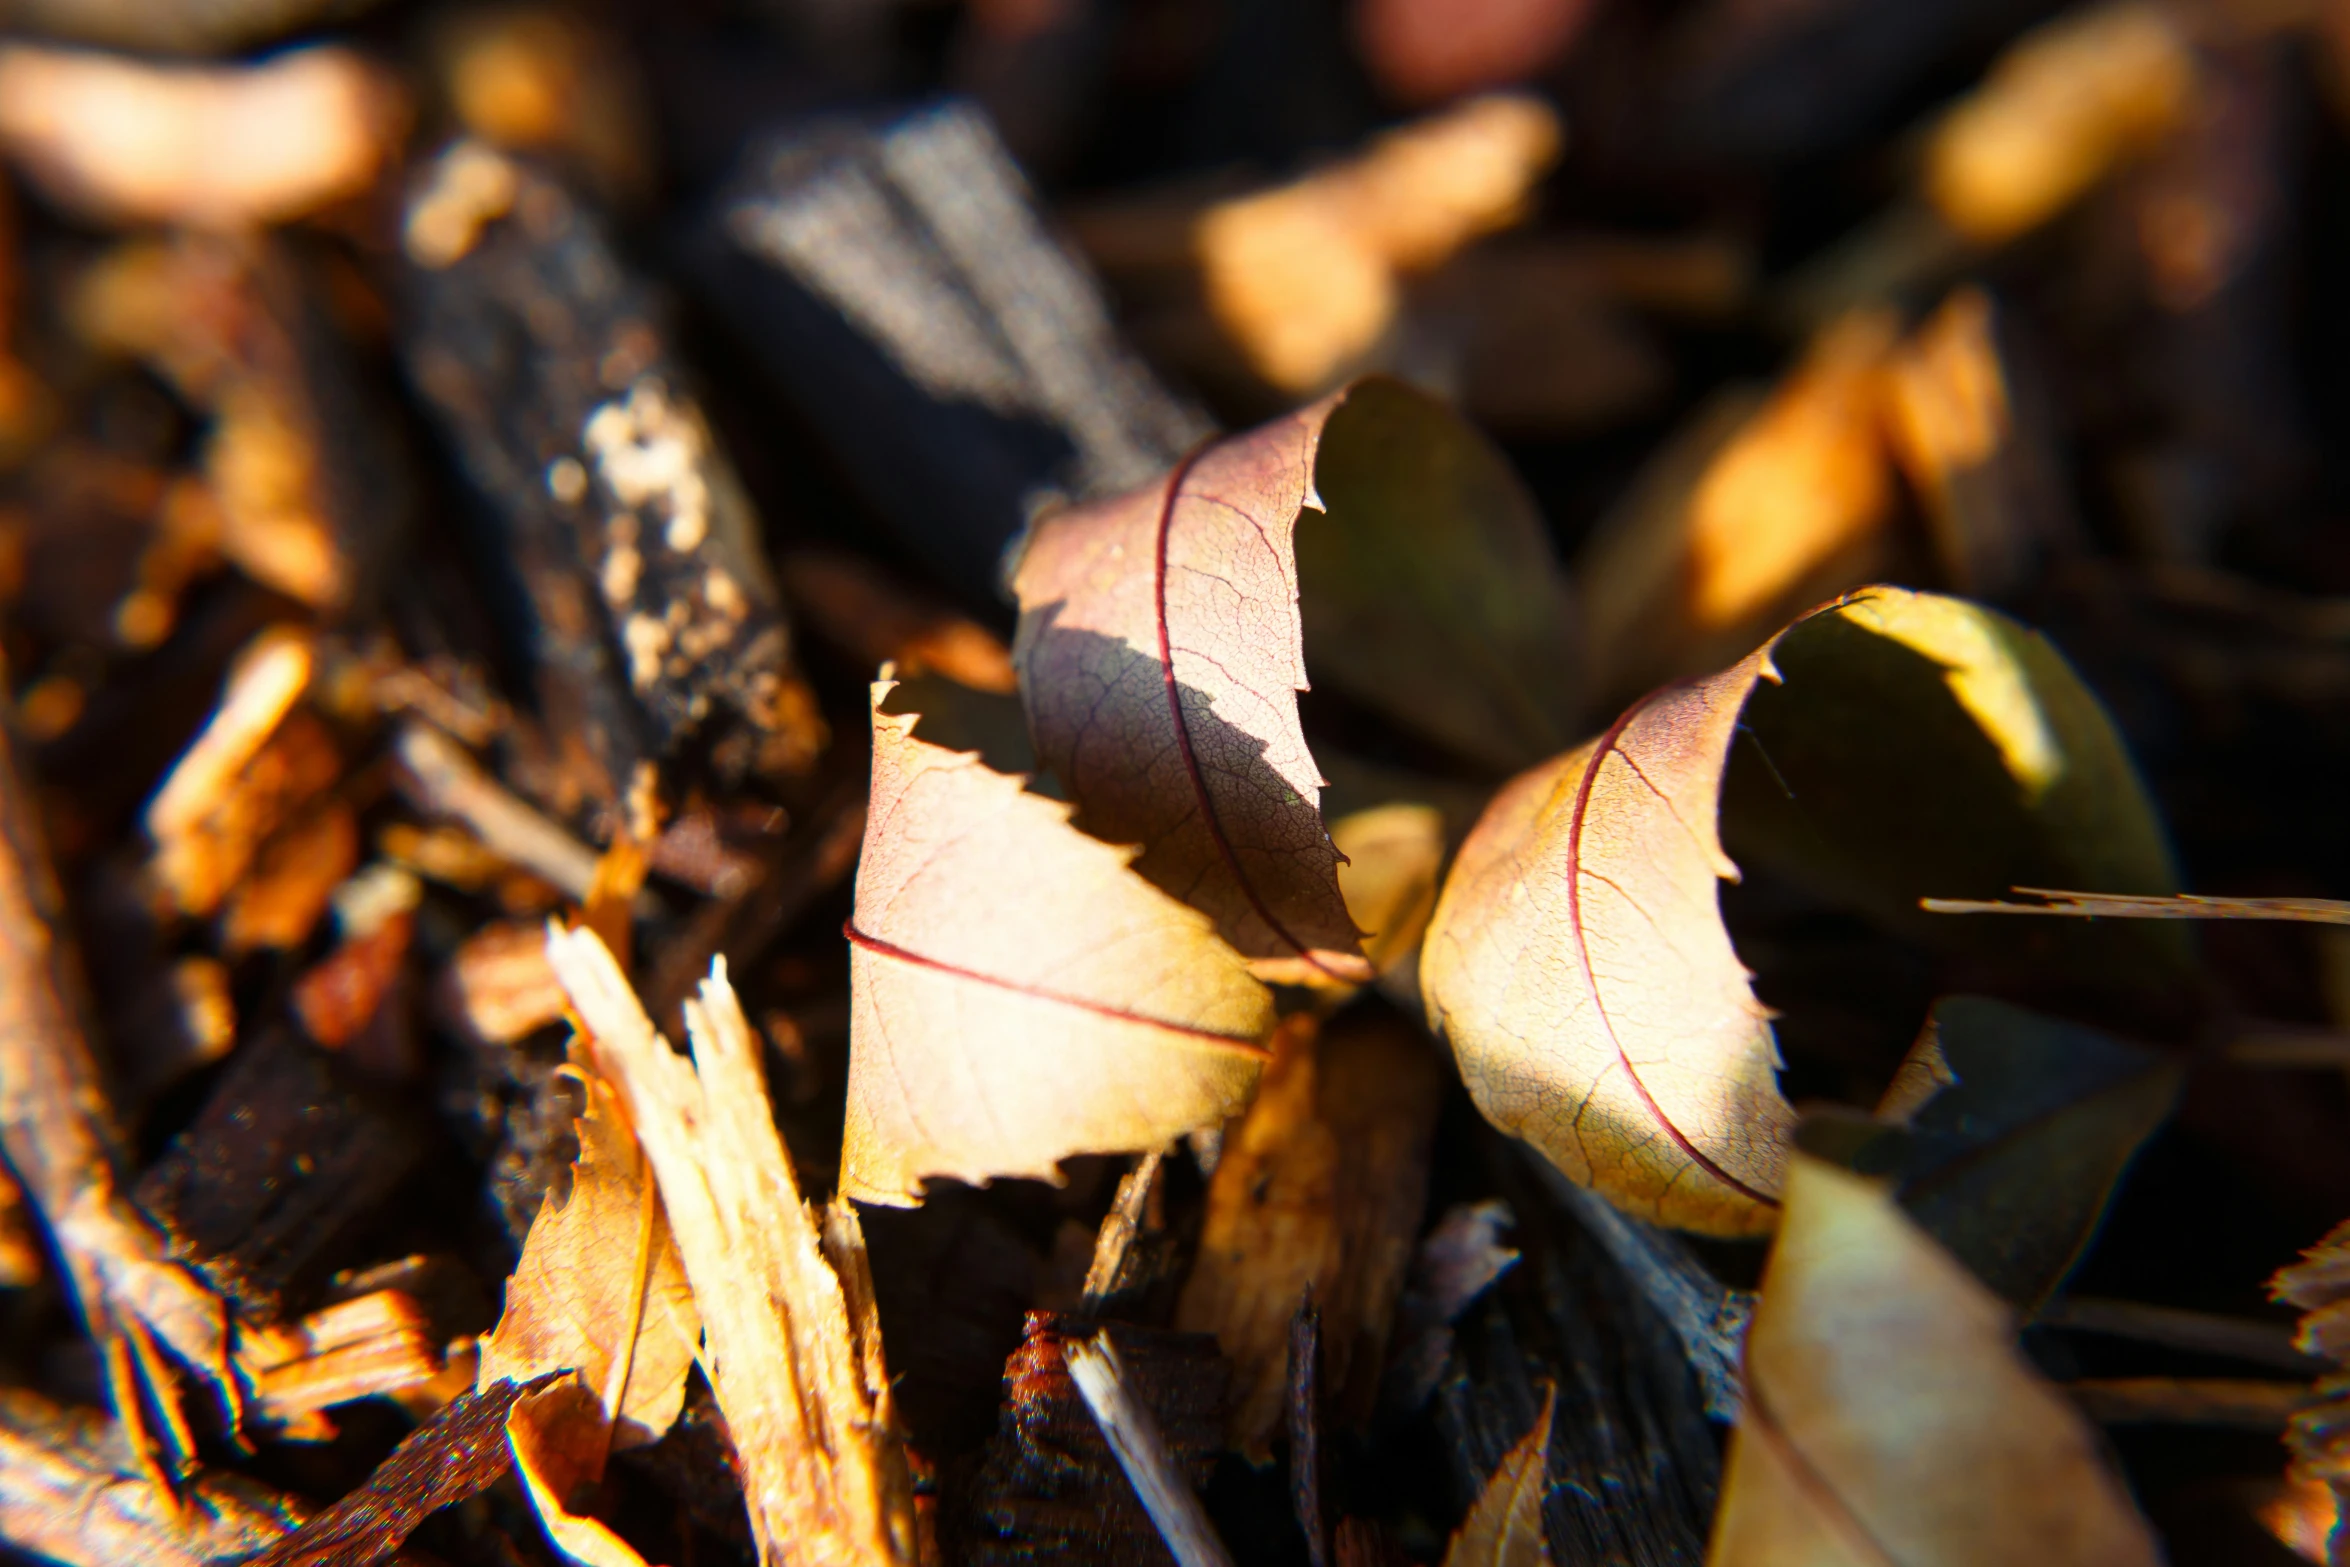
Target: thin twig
{"x":1141,"y":1452}
{"x":2231,"y":1338}
{"x":2136,"y":906}
{"x":440,"y":779}
{"x":2234,"y":1402}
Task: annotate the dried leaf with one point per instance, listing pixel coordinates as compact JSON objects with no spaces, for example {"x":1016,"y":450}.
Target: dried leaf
{"x":558,"y":1439}
{"x":1319,"y":1188}
{"x":1889,"y":1417}
{"x":1504,"y":1528}
{"x":2010,"y":1164}
{"x":1578,"y":964}
{"x":792,"y":1350}
{"x":461,"y":1451}
{"x":1018,"y":995}
{"x":600,"y":1289}
{"x":1427,"y":583}
{"x":1160,"y":656}
{"x":1394,"y":854}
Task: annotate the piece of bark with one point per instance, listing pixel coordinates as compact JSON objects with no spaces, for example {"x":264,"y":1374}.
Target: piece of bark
{"x":546,"y":360}
{"x":58,"y":1133}
{"x":898,"y":283}
{"x":1456,"y":1262}
{"x":1319,"y":1191}
{"x":1633,"y":1466}
{"x":461,"y":1452}
{"x":288,"y":1154}
{"x":1048,"y":1490}
{"x":72,"y":1492}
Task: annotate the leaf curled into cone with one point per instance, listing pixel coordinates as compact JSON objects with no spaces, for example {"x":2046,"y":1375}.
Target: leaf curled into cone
{"x":1019,"y":995}
{"x":1160,"y":654}
{"x":1578,"y":963}
{"x":1889,"y":1417}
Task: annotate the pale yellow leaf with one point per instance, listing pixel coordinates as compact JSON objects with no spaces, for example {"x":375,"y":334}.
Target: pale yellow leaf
{"x":1019,"y":995}
{"x":600,"y":1289}
{"x":1579,"y":965}
{"x":1889,"y":1416}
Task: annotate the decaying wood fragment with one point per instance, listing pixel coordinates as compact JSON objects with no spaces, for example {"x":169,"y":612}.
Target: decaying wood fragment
{"x":57,"y":1131}
{"x":441,"y":780}
{"x":290,"y":1153}
{"x":1133,"y":1434}
{"x":1633,"y":1467}
{"x":548,"y":364}
{"x":1118,"y":1265}
{"x":1048,"y":1489}
{"x":73,"y":1491}
{"x":376,"y":1344}
{"x":900,"y":285}
{"x":1319,"y":1189}
{"x":790,"y":1342}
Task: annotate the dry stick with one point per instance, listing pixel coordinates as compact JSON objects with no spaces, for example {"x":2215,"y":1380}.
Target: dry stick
{"x":57,"y":1131}
{"x":2236,"y":1402}
{"x":1141,"y":1452}
{"x":2284,"y":1045}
